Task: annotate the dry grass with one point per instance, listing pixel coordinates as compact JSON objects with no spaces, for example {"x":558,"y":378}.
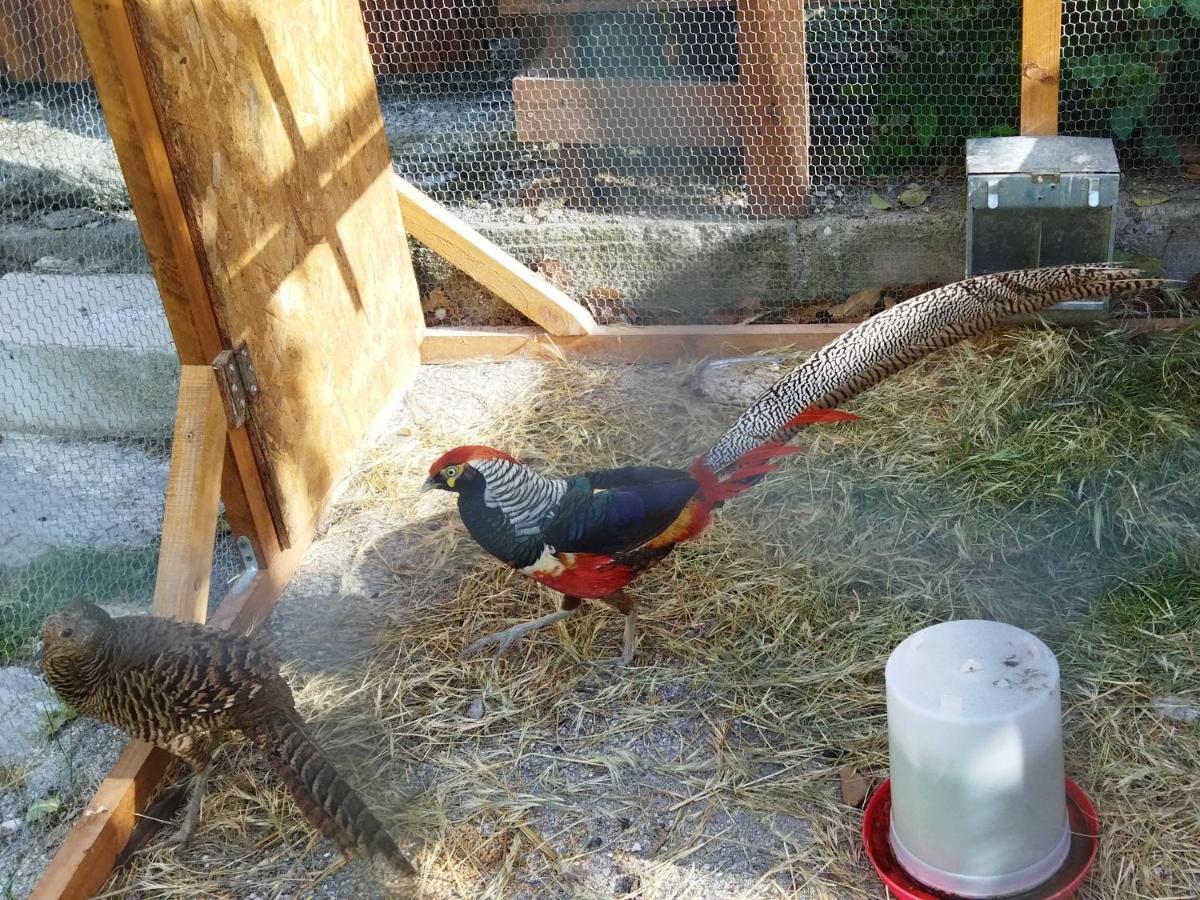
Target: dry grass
{"x":1044,"y":479}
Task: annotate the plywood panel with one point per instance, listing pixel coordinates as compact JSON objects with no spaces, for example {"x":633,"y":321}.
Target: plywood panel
{"x":276,"y":143}
{"x":133,"y":123}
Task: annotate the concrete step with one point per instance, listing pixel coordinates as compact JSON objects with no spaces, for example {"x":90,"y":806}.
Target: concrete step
{"x":85,"y":356}
{"x":71,"y":497}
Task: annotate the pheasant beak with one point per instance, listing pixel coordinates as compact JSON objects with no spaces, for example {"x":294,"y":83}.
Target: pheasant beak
{"x":429,"y":485}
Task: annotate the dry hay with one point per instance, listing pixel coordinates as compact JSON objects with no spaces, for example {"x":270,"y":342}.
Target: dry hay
{"x":1044,"y":478}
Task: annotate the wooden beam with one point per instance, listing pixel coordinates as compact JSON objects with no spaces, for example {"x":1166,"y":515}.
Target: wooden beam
{"x":465,"y":248}
{"x":622,"y":343}
{"x":86,"y":857}
{"x":632,"y":112}
{"x":773,"y":95}
{"x":664,"y":343}
{"x":124,"y":93}
{"x":84,"y":861}
{"x":1041,"y":54}
{"x":193,"y":496}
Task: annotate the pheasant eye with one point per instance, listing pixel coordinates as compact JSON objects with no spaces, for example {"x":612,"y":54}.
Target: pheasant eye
{"x":67,"y":632}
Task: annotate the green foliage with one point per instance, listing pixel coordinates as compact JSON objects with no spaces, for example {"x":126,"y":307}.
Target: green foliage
{"x":1123,"y":81}
{"x":947,"y":75}
{"x":939,"y":72}
{"x":30,"y":592}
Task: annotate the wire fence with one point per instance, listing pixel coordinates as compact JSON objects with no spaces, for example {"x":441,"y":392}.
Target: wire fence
{"x":521,"y":112}
{"x":88,"y":384}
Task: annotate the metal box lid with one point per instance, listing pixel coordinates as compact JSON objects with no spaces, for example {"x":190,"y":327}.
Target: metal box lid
{"x":1051,"y":154}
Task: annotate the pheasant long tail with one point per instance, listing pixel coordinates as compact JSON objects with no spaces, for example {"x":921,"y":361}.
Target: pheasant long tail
{"x":882,"y":346}
{"x":327,"y":800}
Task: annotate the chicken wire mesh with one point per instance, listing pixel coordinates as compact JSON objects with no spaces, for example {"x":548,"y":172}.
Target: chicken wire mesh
{"x":573,"y":112}
{"x":88,"y":384}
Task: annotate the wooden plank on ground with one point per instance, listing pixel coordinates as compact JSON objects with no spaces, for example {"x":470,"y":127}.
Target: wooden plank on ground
{"x":84,"y":861}
{"x":280,"y":161}
{"x":1041,"y":54}
{"x":185,"y":556}
{"x":466,"y":249}
{"x":663,"y":343}
{"x":773,"y":95}
{"x":622,"y":343}
{"x":630,"y":112}
{"x":125,"y":97}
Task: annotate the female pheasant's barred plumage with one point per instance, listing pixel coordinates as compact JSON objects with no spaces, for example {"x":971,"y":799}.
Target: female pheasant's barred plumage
{"x":591,"y":535}
{"x":186,"y":688}
{"x":898,"y":337}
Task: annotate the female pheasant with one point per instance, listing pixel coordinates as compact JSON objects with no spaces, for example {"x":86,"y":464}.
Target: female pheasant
{"x":589,"y":536}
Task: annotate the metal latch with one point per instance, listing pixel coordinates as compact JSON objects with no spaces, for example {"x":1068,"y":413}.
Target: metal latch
{"x":238,"y":383}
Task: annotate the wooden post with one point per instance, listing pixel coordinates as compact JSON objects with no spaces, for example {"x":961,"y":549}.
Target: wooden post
{"x":1041,"y":53}
{"x":774,"y":91}
{"x":193,"y":498}
{"x":86,"y":858}
{"x":120,"y":80}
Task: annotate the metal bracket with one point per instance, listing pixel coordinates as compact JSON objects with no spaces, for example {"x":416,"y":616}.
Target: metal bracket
{"x":249,"y":566}
{"x":238,"y":383}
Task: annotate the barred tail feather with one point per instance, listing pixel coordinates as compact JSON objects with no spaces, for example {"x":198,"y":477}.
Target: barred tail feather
{"x":900,"y":336}
{"x":752,"y":466}
{"x":327,"y":800}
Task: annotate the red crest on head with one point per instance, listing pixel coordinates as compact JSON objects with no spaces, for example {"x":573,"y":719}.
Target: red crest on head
{"x":466,"y":454}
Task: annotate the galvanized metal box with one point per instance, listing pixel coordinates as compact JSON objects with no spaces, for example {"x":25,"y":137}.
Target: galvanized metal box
{"x":1042,"y":201}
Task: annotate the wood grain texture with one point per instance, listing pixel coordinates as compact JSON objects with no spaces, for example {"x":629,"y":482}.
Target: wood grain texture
{"x":181,"y":588}
{"x":86,"y":857}
{"x":773,"y":99}
{"x":621,"y":343}
{"x":125,"y":98}
{"x":1041,"y":53}
{"x":663,"y":343}
{"x":276,"y":141}
{"x":466,"y":249}
{"x":84,"y":861}
{"x":626,"y":112}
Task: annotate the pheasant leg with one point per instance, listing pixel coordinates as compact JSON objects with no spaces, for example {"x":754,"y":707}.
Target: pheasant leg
{"x":510,"y":636}
{"x":191,"y":816}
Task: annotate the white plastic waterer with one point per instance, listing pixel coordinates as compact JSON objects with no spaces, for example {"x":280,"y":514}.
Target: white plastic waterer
{"x":975,"y":736}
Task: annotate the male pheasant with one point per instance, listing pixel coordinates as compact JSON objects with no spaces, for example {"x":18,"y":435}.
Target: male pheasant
{"x":589,"y":536}
{"x":184,"y":687}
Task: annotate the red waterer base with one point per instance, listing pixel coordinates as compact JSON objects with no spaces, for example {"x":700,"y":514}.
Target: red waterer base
{"x":1085,"y":842}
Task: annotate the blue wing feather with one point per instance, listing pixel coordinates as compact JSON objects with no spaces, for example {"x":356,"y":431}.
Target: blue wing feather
{"x":619,"y":509}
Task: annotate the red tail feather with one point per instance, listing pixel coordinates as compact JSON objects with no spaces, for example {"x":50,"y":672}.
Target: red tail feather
{"x":814,"y":416}
{"x":759,"y":461}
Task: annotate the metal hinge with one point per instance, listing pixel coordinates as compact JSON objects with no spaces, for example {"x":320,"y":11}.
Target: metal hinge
{"x":238,"y":383}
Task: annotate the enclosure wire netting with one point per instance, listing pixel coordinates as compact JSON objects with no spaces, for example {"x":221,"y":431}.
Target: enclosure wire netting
{"x":88,"y":384}
{"x":526,"y":112}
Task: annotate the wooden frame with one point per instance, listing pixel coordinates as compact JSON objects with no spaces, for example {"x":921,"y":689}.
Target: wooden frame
{"x":1041,"y":54}
{"x":86,"y":857}
{"x":662,"y":343}
{"x":210,"y":459}
{"x":765,"y":111}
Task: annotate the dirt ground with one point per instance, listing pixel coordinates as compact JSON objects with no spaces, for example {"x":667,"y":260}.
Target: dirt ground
{"x":1044,"y":479}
